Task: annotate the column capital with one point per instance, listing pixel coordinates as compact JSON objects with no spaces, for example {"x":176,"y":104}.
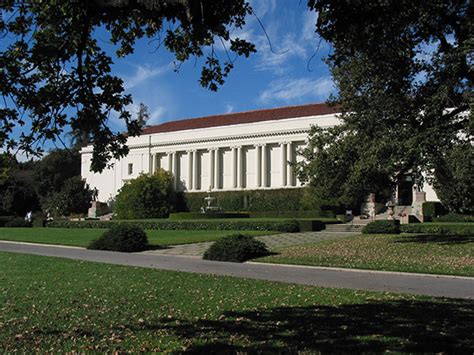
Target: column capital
{"x":170,"y":152}
{"x":258,"y":145}
{"x":236,"y":146}
{"x":284,"y":142}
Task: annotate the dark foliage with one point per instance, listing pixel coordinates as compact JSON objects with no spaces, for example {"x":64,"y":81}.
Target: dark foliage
{"x":236,"y":248}
{"x":264,"y":203}
{"x":455,"y":217}
{"x":446,"y":229}
{"x":291,"y":226}
{"x":210,"y":215}
{"x":147,"y":197}
{"x":124,"y":238}
{"x":74,"y":197}
{"x":382,"y":227}
{"x":18,"y":223}
{"x":238,"y":224}
{"x":403,"y":73}
{"x":432,"y":210}
{"x":42,"y":38}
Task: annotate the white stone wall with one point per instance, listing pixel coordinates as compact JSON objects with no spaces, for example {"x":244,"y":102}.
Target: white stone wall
{"x":243,"y":156}
{"x":236,"y":157}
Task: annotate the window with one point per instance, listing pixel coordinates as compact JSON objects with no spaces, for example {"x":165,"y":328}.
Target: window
{"x":130,"y":169}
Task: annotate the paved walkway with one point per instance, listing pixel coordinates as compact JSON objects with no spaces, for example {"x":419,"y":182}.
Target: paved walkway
{"x":441,"y":286}
{"x":273,"y":242}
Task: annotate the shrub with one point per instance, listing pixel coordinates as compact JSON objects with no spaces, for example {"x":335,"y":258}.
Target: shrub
{"x":18,"y":223}
{"x":5,"y":219}
{"x":453,"y":180}
{"x":237,"y":224}
{"x":288,"y":226}
{"x":249,"y":200}
{"x":292,"y":214}
{"x":74,"y":198}
{"x":214,"y":215}
{"x":455,"y":217}
{"x":236,"y":248}
{"x":147,"y":197}
{"x":441,"y":228}
{"x":432,"y":210}
{"x":382,"y":227}
{"x":122,"y":237}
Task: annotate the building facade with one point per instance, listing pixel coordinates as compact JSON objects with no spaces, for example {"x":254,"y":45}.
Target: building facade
{"x":237,"y":151}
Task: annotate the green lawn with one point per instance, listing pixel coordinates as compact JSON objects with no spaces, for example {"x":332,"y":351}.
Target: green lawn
{"x":59,"y":305}
{"x":82,"y":236}
{"x":433,"y":254}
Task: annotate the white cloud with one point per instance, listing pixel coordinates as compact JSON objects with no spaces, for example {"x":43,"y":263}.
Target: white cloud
{"x":275,"y":59}
{"x":308,"y":30}
{"x":142,"y":74}
{"x":262,"y":7}
{"x":294,"y":90}
{"x":156,"y":115}
{"x":229,"y":108}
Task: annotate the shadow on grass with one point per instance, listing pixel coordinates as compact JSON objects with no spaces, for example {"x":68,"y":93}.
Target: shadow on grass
{"x":436,"y":239}
{"x":446,"y":326}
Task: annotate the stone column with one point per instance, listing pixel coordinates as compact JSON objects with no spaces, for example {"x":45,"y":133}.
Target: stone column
{"x":217,"y":169}
{"x":196,"y":170}
{"x":234,"y":166}
{"x":190,"y":170}
{"x":264,"y":166}
{"x":258,"y":167}
{"x":175,"y":169}
{"x":240,"y":167}
{"x":289,"y":168}
{"x":170,"y":161}
{"x":283,"y":163}
{"x":212,"y":155}
{"x":156,"y":159}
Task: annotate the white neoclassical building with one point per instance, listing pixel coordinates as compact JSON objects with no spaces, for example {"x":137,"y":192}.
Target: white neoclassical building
{"x":236,"y":151}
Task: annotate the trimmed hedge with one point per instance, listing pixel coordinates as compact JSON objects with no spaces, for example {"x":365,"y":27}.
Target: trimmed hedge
{"x":455,"y":217}
{"x":5,"y":219}
{"x":214,"y":215}
{"x":382,"y":227}
{"x":238,"y":224}
{"x":432,"y":210}
{"x":293,"y":214}
{"x":123,"y":238}
{"x":249,"y":200}
{"x":292,"y":226}
{"x":18,"y":223}
{"x":236,"y":248}
{"x":433,"y":228}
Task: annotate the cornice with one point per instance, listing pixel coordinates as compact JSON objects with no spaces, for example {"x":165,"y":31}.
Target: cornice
{"x":214,"y":140}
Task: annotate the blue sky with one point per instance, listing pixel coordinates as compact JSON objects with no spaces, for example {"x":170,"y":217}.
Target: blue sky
{"x":264,"y":80}
{"x":292,"y":73}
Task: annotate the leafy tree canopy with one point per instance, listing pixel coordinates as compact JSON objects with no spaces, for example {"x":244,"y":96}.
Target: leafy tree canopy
{"x":54,"y":72}
{"x":404,"y":76}
{"x":74,"y":197}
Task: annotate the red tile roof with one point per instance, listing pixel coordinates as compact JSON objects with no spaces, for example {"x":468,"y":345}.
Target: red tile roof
{"x":242,"y":117}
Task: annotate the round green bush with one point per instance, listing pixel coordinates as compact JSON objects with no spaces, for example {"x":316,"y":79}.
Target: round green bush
{"x":121,"y":237}
{"x":236,"y":248}
{"x":18,"y":223}
{"x":382,"y":227}
{"x":147,"y":197}
{"x":291,"y":226}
